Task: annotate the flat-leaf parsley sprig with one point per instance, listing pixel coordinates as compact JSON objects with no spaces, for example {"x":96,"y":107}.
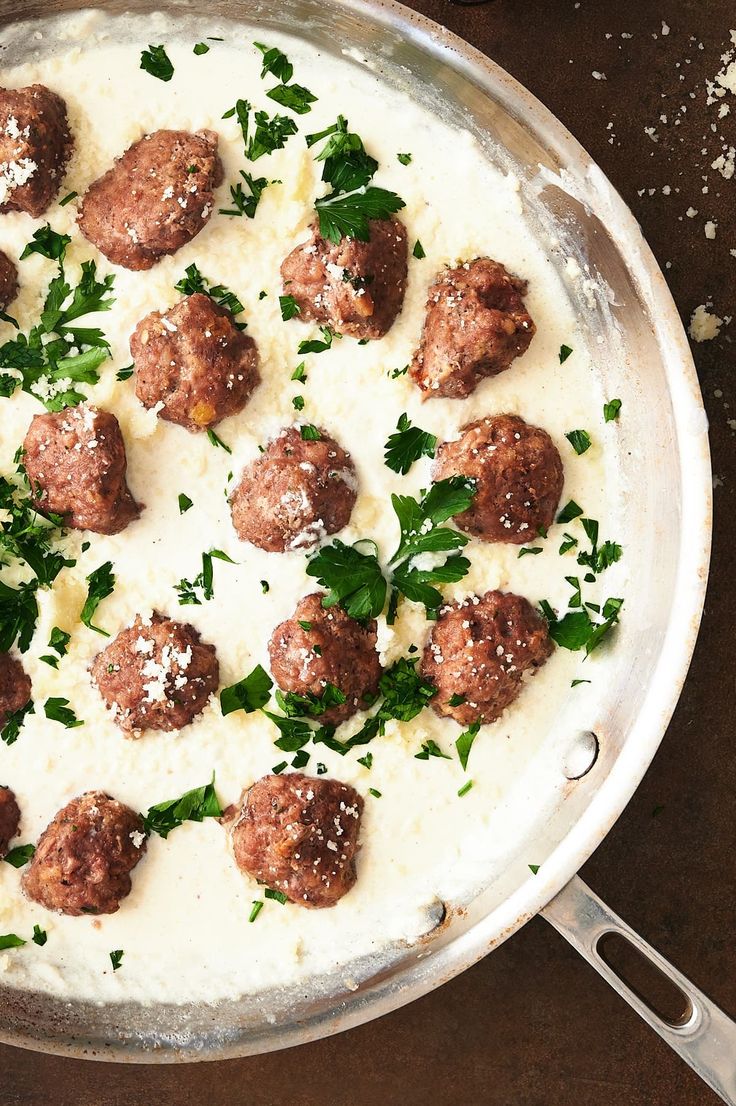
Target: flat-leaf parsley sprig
{"x":57,"y":353}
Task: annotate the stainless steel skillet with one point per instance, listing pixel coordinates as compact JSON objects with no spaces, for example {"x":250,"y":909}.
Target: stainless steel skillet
{"x":639,"y":344}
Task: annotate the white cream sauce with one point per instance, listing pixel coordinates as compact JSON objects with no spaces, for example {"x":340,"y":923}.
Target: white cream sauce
{"x":184,"y":928}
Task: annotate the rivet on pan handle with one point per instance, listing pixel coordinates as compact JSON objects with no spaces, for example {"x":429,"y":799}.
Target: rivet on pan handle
{"x":704,"y":1037}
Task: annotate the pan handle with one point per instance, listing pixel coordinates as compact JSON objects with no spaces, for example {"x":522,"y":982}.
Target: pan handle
{"x":704,"y":1036}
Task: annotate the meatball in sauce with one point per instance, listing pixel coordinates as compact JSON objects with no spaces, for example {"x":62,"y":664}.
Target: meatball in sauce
{"x":76,"y":464}
{"x":15,"y":687}
{"x":35,"y":145}
{"x":156,"y":675}
{"x":476,"y":325}
{"x":355,"y":287}
{"x":155,"y":199}
{"x":84,"y":857}
{"x":9,"y":819}
{"x":317,"y":647}
{"x":296,"y":492}
{"x":478,"y":652}
{"x":8,"y":280}
{"x":193,"y":364}
{"x":299,"y":835}
{"x":518,"y":477}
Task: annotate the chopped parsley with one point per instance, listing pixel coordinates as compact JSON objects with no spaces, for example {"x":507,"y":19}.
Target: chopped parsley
{"x":529,"y":550}
{"x":407,"y":444}
{"x":299,"y":373}
{"x":569,"y":512}
{"x":289,"y":308}
{"x":20,"y":855}
{"x":309,"y":433}
{"x":611,"y":410}
{"x":464,"y":743}
{"x":116,"y":958}
{"x":277,"y":896}
{"x":429,"y":749}
{"x":126,"y":373}
{"x":568,"y":542}
{"x":156,"y":61}
{"x":40,"y":937}
{"x":534,"y":868}
{"x":349,"y":169}
{"x":57,"y":354}
{"x":68,"y":199}
{"x":185,"y":503}
{"x":201,"y":48}
{"x":374,"y":792}
{"x":405,"y":159}
{"x":101,"y":584}
{"x":246,"y":203}
{"x":565,"y":352}
{"x":10,"y":941}
{"x":366,"y":761}
{"x":59,"y":642}
{"x":598,"y":559}
{"x":293,"y":96}
{"x":465,"y":788}
{"x":321,"y":768}
{"x":192,"y":806}
{"x":576,"y":683}
{"x":249,"y":694}
{"x":267,"y":134}
{"x":188,"y":590}
{"x":58,"y":710}
{"x":28,"y":539}
{"x":579,"y":440}
{"x":257,"y":907}
{"x":577,"y":630}
{"x":275,"y":62}
{"x":217,"y":442}
{"x":418,"y":250}
{"x":13,"y":723}
{"x":314,"y":345}
{"x":265,"y":586}
{"x":310,"y":705}
{"x":193,"y":281}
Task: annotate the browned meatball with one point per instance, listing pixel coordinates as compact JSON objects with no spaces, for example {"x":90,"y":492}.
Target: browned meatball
{"x":299,"y":835}
{"x":476,"y":325}
{"x":155,"y":199}
{"x":194,"y":361}
{"x":8,"y":280}
{"x":294,"y":493}
{"x":518,"y":477}
{"x":35,"y":145}
{"x":9,"y":819}
{"x":356,"y":287}
{"x":15,"y":687}
{"x":76,"y":464}
{"x":479,"y":650}
{"x":84,"y":857}
{"x":316,"y":647}
{"x":156,"y":675}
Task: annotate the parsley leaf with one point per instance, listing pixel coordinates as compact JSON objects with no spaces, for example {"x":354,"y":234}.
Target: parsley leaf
{"x":276,"y":62}
{"x":217,"y":442}
{"x":40,"y":937}
{"x":430,"y":748}
{"x":309,"y":433}
{"x":193,"y":281}
{"x":346,"y":215}
{"x":293,"y":96}
{"x":249,"y":694}
{"x":10,"y":941}
{"x":289,"y":308}
{"x":192,"y":806}
{"x":565,"y":352}
{"x":257,"y":907}
{"x":20,"y":855}
{"x":569,"y":512}
{"x":269,"y":134}
{"x":407,"y":445}
{"x":59,"y":642}
{"x":464,"y":743}
{"x":310,"y":705}
{"x":579,"y":440}
{"x":13,"y":723}
{"x":418,"y":251}
{"x":420,"y":520}
{"x":185,"y":503}
{"x":576,"y":630}
{"x":48,"y":243}
{"x":611,"y":410}
{"x":201,"y":48}
{"x":314,"y":345}
{"x":598,"y":559}
{"x":295,"y":732}
{"x":405,"y":159}
{"x":247,"y":203}
{"x":188,"y":590}
{"x":352,"y":578}
{"x":101,"y":584}
{"x":58,"y":710}
{"x":126,"y":373}
{"x":156,"y":61}
{"x":116,"y":958}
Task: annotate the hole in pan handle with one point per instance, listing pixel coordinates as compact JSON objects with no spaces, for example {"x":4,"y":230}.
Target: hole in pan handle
{"x":693,"y":1026}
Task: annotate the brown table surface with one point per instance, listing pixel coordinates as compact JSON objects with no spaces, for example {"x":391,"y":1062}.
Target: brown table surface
{"x":533,"y":1025}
